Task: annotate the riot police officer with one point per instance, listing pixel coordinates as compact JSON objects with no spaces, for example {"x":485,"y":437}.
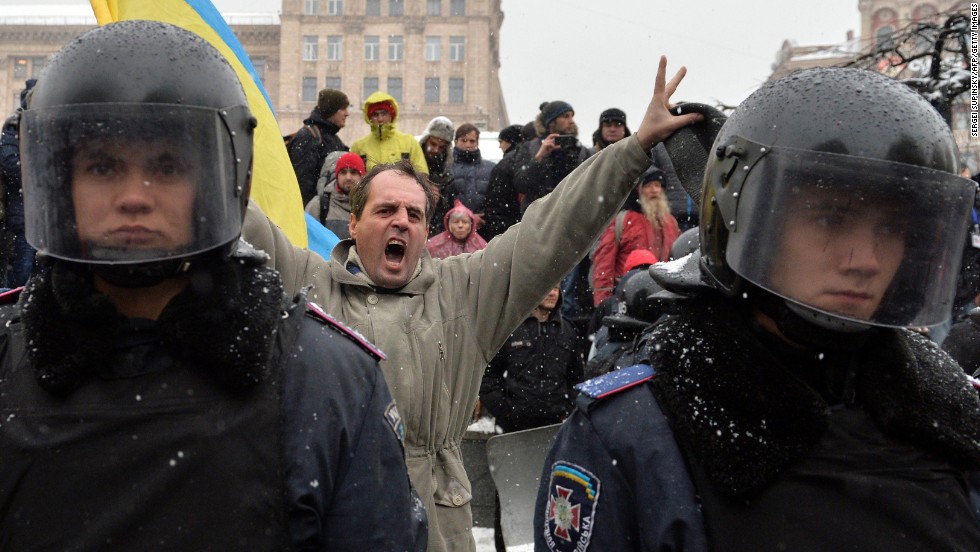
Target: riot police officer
{"x":784,"y":406}
{"x":156,"y":387}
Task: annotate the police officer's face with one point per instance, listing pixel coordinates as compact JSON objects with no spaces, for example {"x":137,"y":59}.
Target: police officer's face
{"x":391,"y":232}
{"x":132,"y":194}
{"x":838,"y":253}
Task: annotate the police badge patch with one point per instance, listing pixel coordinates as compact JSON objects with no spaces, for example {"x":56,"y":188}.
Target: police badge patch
{"x":573,"y":494}
{"x":394,"y":419}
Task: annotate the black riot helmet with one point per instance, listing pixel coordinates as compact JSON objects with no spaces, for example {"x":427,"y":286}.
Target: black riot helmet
{"x":136,"y":151}
{"x":833,"y":192}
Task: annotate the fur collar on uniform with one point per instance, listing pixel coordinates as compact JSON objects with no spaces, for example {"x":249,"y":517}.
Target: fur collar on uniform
{"x":225,"y":321}
{"x":746,"y":417}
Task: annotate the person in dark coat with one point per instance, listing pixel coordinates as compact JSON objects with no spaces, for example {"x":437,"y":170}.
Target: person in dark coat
{"x":436,"y":143}
{"x":529,"y":382}
{"x":471,"y":173}
{"x":963,"y":342}
{"x":781,"y":404}
{"x":153,"y":375}
{"x":503,"y":208}
{"x":543,"y":162}
{"x":310,"y":145}
{"x":18,"y":254}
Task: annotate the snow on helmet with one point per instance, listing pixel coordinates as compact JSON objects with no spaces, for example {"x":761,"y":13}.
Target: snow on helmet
{"x":836,"y":190}
{"x":129,"y":106}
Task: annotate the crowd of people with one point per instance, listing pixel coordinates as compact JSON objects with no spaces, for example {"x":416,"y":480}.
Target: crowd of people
{"x":177,"y":372}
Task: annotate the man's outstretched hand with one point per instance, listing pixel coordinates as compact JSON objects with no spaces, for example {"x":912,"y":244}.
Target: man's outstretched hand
{"x":658,"y":122}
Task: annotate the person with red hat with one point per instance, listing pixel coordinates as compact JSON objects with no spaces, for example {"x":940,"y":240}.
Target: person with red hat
{"x":332,"y":207}
{"x":644,"y":223}
{"x":385,"y":143}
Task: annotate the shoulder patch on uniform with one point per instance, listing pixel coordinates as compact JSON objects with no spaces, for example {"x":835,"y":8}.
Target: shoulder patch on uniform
{"x":616,"y":381}
{"x":8,"y":296}
{"x":573,"y":495}
{"x":394,"y":419}
{"x":318,"y":313}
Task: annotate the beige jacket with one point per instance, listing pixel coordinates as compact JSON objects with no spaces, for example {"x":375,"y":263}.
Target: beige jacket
{"x":441,"y":330}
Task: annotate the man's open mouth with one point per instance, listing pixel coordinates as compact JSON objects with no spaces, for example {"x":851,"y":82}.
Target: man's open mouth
{"x":394,"y":251}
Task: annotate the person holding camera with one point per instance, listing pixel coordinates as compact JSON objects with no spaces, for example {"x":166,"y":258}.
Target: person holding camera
{"x":544,"y":161}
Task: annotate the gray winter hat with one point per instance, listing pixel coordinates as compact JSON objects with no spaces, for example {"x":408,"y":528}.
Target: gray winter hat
{"x":440,"y":127}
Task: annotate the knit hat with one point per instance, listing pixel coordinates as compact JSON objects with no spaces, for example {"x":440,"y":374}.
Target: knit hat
{"x":331,"y":101}
{"x":653,"y":173}
{"x":375,"y":107}
{"x":440,"y":127}
{"x":552,"y":110}
{"x":612,"y":114}
{"x":511,"y":134}
{"x":349,"y":160}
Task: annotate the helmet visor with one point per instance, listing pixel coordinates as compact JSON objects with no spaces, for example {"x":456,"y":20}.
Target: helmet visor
{"x":128,"y":183}
{"x":863,"y":240}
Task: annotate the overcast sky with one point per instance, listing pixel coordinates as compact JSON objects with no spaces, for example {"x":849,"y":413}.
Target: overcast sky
{"x":596,"y":55}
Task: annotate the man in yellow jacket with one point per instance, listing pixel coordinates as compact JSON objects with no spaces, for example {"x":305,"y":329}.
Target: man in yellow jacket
{"x":385,"y":143}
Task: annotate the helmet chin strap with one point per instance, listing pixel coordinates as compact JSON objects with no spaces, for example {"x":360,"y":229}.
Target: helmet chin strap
{"x":141,"y":275}
{"x":808,"y":327}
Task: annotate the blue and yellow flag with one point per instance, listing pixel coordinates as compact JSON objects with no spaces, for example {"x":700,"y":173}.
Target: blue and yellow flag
{"x":274,"y":185}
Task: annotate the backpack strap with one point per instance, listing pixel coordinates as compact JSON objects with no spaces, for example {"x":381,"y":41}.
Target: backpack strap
{"x":620,"y":220}
{"x":315,"y":131}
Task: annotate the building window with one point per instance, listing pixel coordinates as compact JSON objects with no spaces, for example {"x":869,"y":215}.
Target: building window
{"x":335,"y":47}
{"x":455,"y":91}
{"x":373,"y":7}
{"x":311,"y":7}
{"x":434,"y":7}
{"x":370,"y":86}
{"x":20,"y":68}
{"x":335,"y":7}
{"x":372,"y":45}
{"x":396,"y":48}
{"x":395,"y":88}
{"x":432,"y":90}
{"x":396,"y":7}
{"x":333,"y":82}
{"x":309,"y":48}
{"x":309,"y":89}
{"x":457,"y":48}
{"x":433,"y":45}
{"x":457,"y":7}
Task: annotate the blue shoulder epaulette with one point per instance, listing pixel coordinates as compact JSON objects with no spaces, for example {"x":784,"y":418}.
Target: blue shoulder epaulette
{"x":319,"y":314}
{"x":616,"y":381}
{"x":8,"y":295}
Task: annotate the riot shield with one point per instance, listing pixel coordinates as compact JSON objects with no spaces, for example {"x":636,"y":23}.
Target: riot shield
{"x":516,"y":460}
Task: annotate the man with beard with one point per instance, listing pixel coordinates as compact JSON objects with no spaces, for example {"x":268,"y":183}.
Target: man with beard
{"x":332,"y":207}
{"x":544,"y":161}
{"x":309,"y":147}
{"x":645,"y":223}
{"x":435,"y":143}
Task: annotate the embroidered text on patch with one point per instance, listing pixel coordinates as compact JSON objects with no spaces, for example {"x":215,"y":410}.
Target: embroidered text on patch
{"x":573,"y":494}
{"x":395,"y":421}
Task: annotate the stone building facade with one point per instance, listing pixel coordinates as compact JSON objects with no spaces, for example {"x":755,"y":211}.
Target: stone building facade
{"x":437,"y":57}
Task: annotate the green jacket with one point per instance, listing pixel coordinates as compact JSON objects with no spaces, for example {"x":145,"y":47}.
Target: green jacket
{"x":441,"y":330}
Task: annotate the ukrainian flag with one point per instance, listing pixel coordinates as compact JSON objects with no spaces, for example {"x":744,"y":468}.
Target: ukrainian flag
{"x":274,"y":185}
